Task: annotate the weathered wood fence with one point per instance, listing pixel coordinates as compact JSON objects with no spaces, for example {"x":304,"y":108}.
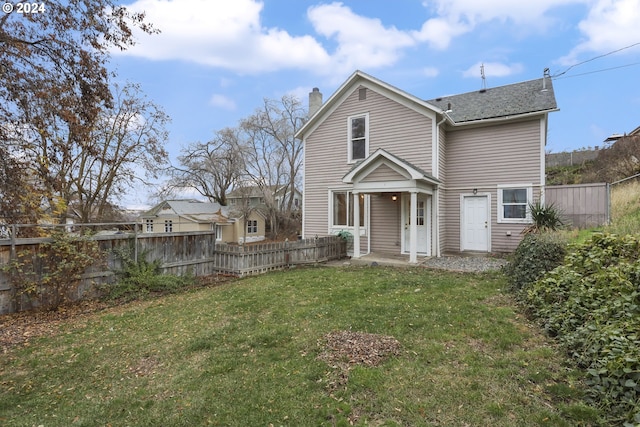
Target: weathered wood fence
{"x":195,"y":253}
{"x":581,"y":205}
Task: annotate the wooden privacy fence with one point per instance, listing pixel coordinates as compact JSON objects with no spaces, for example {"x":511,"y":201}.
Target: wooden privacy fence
{"x":581,"y":205}
{"x":195,"y":253}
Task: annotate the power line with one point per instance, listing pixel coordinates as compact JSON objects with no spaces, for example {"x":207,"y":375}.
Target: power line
{"x":596,"y":71}
{"x":596,"y":57}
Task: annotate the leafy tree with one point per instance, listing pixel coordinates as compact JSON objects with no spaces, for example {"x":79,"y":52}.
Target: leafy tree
{"x":54,"y":85}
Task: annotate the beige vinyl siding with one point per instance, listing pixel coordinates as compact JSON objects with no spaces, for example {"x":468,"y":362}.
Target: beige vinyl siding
{"x":392,"y":126}
{"x":384,"y":173}
{"x":482,"y":159}
{"x":442,"y":176}
{"x":385,"y":224}
{"x":502,"y":242}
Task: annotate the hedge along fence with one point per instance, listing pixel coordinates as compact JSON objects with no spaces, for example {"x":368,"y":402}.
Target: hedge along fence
{"x":195,"y":253}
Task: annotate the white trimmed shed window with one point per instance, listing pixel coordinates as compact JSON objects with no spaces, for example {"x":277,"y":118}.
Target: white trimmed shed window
{"x":342,"y":206}
{"x":218,"y":229}
{"x":252,"y":226}
{"x":513,"y":204}
{"x":148,"y":225}
{"x":358,"y":137}
{"x":168,"y":226}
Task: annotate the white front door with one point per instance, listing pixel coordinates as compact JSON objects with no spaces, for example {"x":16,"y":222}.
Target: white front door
{"x":475,"y":223}
{"x":423,"y":217}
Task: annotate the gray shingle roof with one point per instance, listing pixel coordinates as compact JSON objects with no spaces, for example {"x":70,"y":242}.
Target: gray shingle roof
{"x":186,"y":207}
{"x":503,"y":101}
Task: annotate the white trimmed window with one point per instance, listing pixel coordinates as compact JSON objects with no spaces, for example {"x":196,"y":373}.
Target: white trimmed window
{"x":218,"y":229}
{"x":342,"y":209}
{"x":252,"y":226}
{"x":168,"y":226}
{"x":358,"y":131}
{"x":148,"y":225}
{"x":513,"y":204}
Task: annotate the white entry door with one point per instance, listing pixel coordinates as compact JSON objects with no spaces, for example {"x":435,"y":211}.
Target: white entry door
{"x":423,"y":217}
{"x":475,"y":223}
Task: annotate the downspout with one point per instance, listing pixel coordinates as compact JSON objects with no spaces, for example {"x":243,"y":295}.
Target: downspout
{"x":437,"y":190}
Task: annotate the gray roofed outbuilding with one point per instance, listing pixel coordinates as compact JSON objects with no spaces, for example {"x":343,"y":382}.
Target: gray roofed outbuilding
{"x":499,"y":102}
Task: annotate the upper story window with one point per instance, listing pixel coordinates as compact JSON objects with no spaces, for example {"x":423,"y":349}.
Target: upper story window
{"x":513,"y":204}
{"x":358,"y":137}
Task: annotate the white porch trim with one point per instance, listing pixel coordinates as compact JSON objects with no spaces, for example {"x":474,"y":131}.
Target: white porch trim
{"x":415,"y":181}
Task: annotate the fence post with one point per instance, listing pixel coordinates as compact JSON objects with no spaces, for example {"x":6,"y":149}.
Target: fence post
{"x":135,"y":242}
{"x":12,"y":252}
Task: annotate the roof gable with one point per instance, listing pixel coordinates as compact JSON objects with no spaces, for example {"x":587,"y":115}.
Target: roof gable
{"x":381,"y":157}
{"x":356,"y":80}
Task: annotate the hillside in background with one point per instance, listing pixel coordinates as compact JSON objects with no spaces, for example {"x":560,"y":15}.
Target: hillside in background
{"x":618,"y":161}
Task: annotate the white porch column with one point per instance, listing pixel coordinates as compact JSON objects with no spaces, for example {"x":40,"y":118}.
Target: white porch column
{"x":413,"y":229}
{"x":356,"y":224}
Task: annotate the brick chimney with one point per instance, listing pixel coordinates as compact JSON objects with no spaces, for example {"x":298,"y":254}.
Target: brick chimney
{"x":315,"y":101}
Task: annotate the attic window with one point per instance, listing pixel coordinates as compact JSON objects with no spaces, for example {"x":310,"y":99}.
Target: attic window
{"x":362,"y":93}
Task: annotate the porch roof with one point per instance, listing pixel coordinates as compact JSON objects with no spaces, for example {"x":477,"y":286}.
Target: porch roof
{"x":408,"y":176}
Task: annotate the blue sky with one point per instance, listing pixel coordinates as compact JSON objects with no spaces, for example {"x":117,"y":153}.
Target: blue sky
{"x":215,"y":60}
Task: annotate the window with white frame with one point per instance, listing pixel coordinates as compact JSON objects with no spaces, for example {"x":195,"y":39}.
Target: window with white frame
{"x":252,"y":226}
{"x":168,"y":226}
{"x":513,"y":204}
{"x":218,"y":229}
{"x":148,"y":225}
{"x":342,"y":209}
{"x":358,"y":131}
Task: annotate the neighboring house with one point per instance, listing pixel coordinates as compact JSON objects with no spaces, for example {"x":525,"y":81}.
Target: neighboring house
{"x":256,"y":196}
{"x":616,"y":136}
{"x":405,"y":175}
{"x":172,"y":216}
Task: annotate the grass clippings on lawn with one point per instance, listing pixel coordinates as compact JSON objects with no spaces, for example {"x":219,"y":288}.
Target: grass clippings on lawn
{"x":420,"y":347}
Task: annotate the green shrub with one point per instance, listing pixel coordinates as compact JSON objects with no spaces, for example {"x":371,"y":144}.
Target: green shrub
{"x":49,"y":275}
{"x":139,"y":279}
{"x":535,"y":255}
{"x":544,"y":217}
{"x":592,"y":304}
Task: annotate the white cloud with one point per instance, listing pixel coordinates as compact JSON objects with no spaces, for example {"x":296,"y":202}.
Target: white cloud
{"x":493,"y":69}
{"x":225,"y":34}
{"x":232,"y":35}
{"x":430,"y":72}
{"x":610,"y":25}
{"x":362,"y":42}
{"x":222,"y":102}
{"x":457,"y":17}
{"x":439,"y":32}
{"x":474,"y":12}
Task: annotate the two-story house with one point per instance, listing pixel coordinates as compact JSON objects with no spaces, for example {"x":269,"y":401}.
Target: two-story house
{"x":425,"y":177}
{"x":186,"y":216}
{"x":256,"y":197}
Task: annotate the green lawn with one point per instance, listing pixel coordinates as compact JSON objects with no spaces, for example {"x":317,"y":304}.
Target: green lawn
{"x":246,"y":354}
